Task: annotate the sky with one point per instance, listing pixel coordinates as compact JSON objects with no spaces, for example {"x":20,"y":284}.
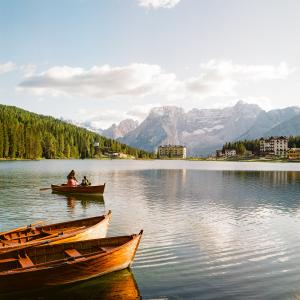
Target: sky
{"x":105,"y":61}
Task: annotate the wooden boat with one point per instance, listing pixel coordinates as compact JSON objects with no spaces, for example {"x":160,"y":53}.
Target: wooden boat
{"x":48,"y":265}
{"x":84,"y":229}
{"x":92,"y":189}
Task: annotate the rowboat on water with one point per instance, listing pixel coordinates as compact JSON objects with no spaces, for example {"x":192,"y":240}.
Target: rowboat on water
{"x":91,"y":189}
{"x":49,"y":265}
{"x":76,"y":230}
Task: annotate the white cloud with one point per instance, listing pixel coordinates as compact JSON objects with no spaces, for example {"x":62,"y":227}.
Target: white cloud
{"x":7,"y":67}
{"x":220,"y":78}
{"x":134,"y":81}
{"x":155,"y":4}
{"x":137,"y":80}
{"x":99,"y":119}
{"x":263,"y":102}
{"x":139,"y":112}
{"x":28,"y":70}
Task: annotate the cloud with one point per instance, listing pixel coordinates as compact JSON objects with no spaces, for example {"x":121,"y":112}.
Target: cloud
{"x":7,"y":67}
{"x":28,"y":70}
{"x":141,"y":111}
{"x":96,"y":119}
{"x":220,"y":78}
{"x":155,"y":4}
{"x":215,"y":78}
{"x":137,"y":80}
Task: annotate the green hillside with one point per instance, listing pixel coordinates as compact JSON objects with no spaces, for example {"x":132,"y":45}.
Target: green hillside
{"x":26,"y":135}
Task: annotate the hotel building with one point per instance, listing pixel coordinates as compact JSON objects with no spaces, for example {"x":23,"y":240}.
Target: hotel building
{"x":277,"y":146}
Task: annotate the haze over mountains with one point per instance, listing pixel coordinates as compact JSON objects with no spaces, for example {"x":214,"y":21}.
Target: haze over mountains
{"x":203,"y":131}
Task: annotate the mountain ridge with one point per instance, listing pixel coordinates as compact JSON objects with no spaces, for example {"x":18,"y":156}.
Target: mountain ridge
{"x":203,"y":131}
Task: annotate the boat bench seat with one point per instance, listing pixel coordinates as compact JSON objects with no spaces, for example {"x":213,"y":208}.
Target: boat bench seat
{"x":73,"y":252}
{"x":25,"y":262}
{"x":7,"y":260}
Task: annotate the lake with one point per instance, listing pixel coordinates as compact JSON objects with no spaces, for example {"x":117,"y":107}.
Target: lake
{"x":212,"y":230}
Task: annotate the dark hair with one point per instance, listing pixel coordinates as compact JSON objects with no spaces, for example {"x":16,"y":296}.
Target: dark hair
{"x":71,"y":174}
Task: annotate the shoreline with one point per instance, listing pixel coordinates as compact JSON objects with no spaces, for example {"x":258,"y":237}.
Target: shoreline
{"x":168,"y":159}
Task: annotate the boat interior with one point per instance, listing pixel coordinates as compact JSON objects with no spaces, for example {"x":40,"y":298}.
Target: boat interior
{"x":28,"y":234}
{"x":21,"y":236}
{"x":59,"y":253}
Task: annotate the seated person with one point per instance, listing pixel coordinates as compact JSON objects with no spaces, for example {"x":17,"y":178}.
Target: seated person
{"x":85,"y":181}
{"x":72,"y":181}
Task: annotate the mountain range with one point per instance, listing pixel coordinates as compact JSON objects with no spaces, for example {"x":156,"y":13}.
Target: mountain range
{"x":203,"y":131}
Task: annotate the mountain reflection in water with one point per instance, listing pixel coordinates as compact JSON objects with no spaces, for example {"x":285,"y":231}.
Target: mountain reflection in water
{"x":213,"y":230}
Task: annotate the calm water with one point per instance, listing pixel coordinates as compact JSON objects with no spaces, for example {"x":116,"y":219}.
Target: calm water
{"x":213,"y":230}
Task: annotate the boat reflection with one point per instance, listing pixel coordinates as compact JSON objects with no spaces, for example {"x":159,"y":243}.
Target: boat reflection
{"x":84,"y":200}
{"x":118,"y":285}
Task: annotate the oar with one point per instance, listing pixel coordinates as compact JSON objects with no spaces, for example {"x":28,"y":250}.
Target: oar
{"x":45,"y":189}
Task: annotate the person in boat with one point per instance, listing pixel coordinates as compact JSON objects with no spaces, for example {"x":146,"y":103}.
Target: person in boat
{"x":85,"y":182}
{"x":72,"y":181}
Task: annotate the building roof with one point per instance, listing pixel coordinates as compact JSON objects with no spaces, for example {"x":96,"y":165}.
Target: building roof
{"x":274,"y":138}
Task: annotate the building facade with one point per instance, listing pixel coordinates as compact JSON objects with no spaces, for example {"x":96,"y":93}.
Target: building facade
{"x":277,"y":146}
{"x":226,"y":153}
{"x":171,"y":151}
{"x":230,"y":152}
{"x":293,"y":154}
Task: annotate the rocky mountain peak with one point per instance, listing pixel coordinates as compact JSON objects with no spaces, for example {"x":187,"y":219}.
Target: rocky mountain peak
{"x":119,"y":130}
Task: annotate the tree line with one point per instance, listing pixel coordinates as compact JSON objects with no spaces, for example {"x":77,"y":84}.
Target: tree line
{"x":253,"y":145}
{"x":26,"y":135}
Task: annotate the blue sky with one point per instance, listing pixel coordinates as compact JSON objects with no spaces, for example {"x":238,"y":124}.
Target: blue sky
{"x":104,"y":61}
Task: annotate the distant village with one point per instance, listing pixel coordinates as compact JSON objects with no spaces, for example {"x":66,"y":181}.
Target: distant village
{"x":270,"y":148}
{"x":274,"y":147}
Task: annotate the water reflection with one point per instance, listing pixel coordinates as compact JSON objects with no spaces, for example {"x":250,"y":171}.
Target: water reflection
{"x":268,"y":177}
{"x":119,"y":285}
{"x":84,"y":200}
{"x":208,"y":233}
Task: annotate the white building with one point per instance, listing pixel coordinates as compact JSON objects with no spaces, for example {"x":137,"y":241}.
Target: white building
{"x":229,"y":152}
{"x":226,"y":153}
{"x":274,"y":145}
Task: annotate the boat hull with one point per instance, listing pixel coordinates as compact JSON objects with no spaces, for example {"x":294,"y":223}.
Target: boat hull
{"x":85,"y":229}
{"x":97,"y":231}
{"x":69,"y":271}
{"x":80,"y":190}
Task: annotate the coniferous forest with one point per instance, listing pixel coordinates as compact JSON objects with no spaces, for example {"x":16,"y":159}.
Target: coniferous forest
{"x":26,"y":135}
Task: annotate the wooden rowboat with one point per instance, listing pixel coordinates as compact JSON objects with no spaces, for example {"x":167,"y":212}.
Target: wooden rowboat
{"x":92,"y":189}
{"x":49,"y":265}
{"x":77,"y":230}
